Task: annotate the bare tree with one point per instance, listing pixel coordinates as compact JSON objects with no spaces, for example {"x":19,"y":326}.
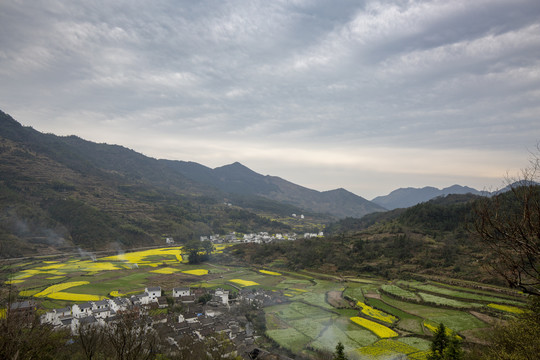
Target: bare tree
{"x":90,"y":338}
{"x":509,"y":226}
{"x":131,"y":338}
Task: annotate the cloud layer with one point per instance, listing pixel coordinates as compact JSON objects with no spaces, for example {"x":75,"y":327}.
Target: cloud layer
{"x":369,"y":95}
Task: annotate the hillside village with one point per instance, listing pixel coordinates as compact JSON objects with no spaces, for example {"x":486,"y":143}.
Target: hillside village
{"x":262,"y":237}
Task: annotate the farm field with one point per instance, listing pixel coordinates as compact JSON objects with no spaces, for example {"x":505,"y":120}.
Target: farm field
{"x":373,"y":318}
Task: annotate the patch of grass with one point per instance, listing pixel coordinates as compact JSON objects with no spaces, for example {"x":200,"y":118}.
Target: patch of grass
{"x":447,"y":302}
{"x":289,"y":338}
{"x":354,"y":291}
{"x":419,"y":343}
{"x":465,"y":295}
{"x":308,"y":327}
{"x":397,"y":291}
{"x":454,"y":319}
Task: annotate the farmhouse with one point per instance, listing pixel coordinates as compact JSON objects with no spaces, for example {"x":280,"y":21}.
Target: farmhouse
{"x":153,"y":292}
{"x":181,"y":291}
{"x":81,"y":310}
{"x":222,"y":296}
{"x":56,"y":316}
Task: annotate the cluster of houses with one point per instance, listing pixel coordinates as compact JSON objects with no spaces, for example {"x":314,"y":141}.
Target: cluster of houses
{"x":259,"y":238}
{"x":104,"y":311}
{"x":196,"y":321}
{"x":313,"y":235}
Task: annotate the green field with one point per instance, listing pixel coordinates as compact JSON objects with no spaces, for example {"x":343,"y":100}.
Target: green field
{"x":307,"y":320}
{"x":467,"y":295}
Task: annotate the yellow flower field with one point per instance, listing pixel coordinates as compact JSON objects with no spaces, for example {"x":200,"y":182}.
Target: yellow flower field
{"x":139,"y":256}
{"x":11,"y":282}
{"x":116,"y":293}
{"x":198,"y":272}
{"x":56,"y":277}
{"x":376,"y":314}
{"x":421,"y":355}
{"x":378,"y":329}
{"x":244,"y":283}
{"x":269,"y":272}
{"x":28,"y":292}
{"x":59,"y":287}
{"x":507,"y":308}
{"x":375,"y":352}
{"x":396,"y":346}
{"x":74,"y":297}
{"x":448,"y":331}
{"x":165,"y":270}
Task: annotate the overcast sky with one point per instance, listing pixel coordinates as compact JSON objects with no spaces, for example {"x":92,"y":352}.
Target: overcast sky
{"x":365,"y":95}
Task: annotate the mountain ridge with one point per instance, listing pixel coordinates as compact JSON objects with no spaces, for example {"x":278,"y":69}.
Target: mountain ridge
{"x":238,"y":179}
{"x":410,"y":196}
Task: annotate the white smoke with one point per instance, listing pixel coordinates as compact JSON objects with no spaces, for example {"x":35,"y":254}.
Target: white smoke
{"x":84,"y":253}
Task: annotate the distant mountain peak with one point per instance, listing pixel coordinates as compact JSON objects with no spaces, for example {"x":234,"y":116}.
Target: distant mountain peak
{"x":407,"y":197}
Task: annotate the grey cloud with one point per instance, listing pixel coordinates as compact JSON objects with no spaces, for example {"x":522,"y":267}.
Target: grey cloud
{"x":430,"y":74}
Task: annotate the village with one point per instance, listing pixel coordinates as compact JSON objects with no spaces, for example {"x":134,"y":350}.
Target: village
{"x":258,"y":238}
{"x":187,"y":315}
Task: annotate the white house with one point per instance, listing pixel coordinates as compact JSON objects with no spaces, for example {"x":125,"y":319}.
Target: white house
{"x":181,"y":291}
{"x":144,"y":299}
{"x":102,"y":313}
{"x":81,"y":310}
{"x":99,"y":305}
{"x":119,"y":304}
{"x":153,"y":292}
{"x":56,"y":316}
{"x":223,"y":295}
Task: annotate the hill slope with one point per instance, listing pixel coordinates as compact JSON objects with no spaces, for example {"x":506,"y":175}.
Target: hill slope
{"x":428,"y":238}
{"x":65,"y":192}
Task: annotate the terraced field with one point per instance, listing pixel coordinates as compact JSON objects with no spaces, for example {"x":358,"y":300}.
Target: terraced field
{"x":375,"y":319}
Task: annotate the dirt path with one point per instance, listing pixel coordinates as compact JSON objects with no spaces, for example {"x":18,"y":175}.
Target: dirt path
{"x":373,"y":296}
{"x":485,"y":318}
{"x":335,"y":298}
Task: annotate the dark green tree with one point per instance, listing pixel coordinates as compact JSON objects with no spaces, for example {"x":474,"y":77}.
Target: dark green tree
{"x":444,"y":347}
{"x":208,"y":247}
{"x":340,"y":354}
{"x":193,"y":249}
{"x":439,"y":343}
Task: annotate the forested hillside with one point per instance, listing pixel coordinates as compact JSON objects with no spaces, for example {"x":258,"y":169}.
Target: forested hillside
{"x":430,"y":238}
{"x":60,"y":193}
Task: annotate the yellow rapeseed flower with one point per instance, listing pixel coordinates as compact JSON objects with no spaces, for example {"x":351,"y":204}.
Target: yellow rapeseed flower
{"x":59,"y":287}
{"x":378,"y":329}
{"x":269,"y":272}
{"x":11,"y":282}
{"x":507,"y":308}
{"x":376,"y":314}
{"x":197,"y":272}
{"x":244,"y":283}
{"x":448,"y":331}
{"x":165,"y":270}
